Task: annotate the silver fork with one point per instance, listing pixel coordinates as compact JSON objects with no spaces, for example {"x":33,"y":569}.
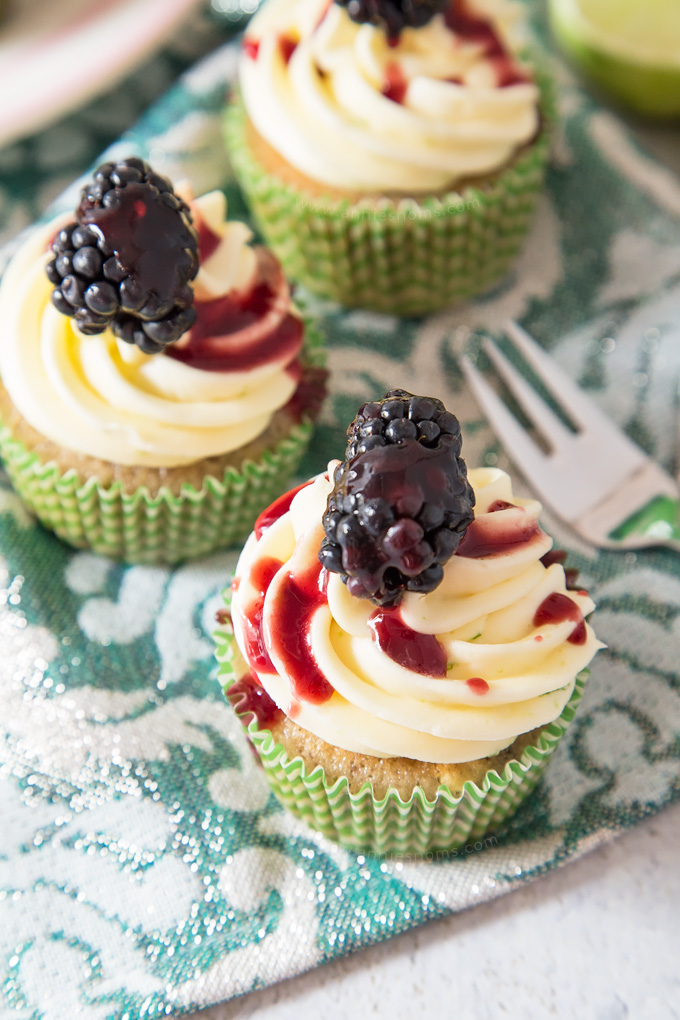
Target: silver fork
{"x":596,"y":479}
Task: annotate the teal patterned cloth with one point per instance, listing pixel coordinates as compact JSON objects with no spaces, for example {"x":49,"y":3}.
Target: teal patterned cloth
{"x":145,"y":869}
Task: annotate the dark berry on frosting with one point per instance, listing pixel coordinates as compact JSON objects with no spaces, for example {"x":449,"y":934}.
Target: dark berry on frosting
{"x":393,"y":15}
{"x":401,"y":500}
{"x":127,"y":261}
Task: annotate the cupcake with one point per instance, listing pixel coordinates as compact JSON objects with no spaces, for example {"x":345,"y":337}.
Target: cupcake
{"x":391,"y":152}
{"x":158,"y":384}
{"x":400,"y":642}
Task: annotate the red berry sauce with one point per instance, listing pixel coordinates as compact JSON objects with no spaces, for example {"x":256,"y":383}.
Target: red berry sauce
{"x":479,"y":540}
{"x":243,"y":330}
{"x":322,"y":16}
{"x":571,"y":577}
{"x":208,"y":240}
{"x":421,"y":653}
{"x":276,"y":510}
{"x":310,"y":393}
{"x":232,"y":334}
{"x":287,"y":46}
{"x":296,"y":602}
{"x":251,"y":47}
{"x":221,"y":339}
{"x":556,"y":608}
{"x":249,"y":699}
{"x":570,"y":573}
{"x":263,"y":572}
{"x":256,"y":653}
{"x":476,"y":28}
{"x":232,"y":313}
{"x":553,"y":556}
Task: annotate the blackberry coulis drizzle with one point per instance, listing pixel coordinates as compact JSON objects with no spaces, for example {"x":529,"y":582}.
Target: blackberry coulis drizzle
{"x":401,"y":499}
{"x":128,"y":259}
{"x":394,"y":15}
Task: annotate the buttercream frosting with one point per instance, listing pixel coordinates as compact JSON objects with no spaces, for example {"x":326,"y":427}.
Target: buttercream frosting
{"x":511,"y":659}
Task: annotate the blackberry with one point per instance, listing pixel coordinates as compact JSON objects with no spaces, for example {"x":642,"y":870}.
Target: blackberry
{"x":393,"y":15}
{"x":128,"y":259}
{"x":401,"y":500}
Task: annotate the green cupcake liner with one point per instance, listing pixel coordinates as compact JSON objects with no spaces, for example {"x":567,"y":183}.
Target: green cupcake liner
{"x":390,"y":825}
{"x":163,"y":528}
{"x":402,"y":256}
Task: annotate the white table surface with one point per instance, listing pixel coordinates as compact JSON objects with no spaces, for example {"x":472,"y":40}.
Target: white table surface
{"x":599,"y":938}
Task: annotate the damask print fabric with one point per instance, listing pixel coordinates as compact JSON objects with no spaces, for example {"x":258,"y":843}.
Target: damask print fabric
{"x":142,"y":857}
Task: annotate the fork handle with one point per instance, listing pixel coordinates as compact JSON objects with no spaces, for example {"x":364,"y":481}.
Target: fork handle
{"x":645,"y":512}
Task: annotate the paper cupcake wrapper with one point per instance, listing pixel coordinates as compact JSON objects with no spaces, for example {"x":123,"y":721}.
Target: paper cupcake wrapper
{"x":407,"y":256}
{"x":164,"y":528}
{"x":389,"y":825}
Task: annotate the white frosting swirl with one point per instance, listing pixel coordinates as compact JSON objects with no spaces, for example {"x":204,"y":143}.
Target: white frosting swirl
{"x":482,"y":615}
{"x":325,"y":112}
{"x":99,"y":396}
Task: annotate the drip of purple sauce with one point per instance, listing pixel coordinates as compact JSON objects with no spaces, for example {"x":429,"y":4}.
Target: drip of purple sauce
{"x":558,"y":607}
{"x":249,"y":699}
{"x":421,"y":653}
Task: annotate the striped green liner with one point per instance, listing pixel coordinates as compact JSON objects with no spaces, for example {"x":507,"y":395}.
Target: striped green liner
{"x":165,"y":528}
{"x":400,"y":256}
{"x":418,"y":826}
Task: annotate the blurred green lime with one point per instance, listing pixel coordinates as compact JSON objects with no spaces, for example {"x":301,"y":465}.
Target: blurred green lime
{"x":629,"y":47}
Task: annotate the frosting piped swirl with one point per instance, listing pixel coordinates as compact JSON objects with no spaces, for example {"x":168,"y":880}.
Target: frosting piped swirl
{"x":492,"y":653}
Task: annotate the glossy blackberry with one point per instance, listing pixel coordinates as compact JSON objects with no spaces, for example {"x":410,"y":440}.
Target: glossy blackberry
{"x":401,"y":500}
{"x":393,"y":15}
{"x":128,"y":259}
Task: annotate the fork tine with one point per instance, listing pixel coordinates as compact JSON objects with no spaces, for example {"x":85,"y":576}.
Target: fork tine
{"x":540,"y":413}
{"x":566,"y":393}
{"x":503,"y":421}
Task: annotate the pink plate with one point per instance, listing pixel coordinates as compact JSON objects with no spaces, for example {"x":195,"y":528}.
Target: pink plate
{"x":56,"y":54}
